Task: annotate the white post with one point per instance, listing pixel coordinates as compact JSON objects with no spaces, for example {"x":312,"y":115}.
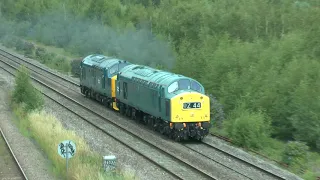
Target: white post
{"x":67,"y":157}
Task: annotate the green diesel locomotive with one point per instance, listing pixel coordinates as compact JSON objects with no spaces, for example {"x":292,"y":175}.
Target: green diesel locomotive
{"x":172,"y":104}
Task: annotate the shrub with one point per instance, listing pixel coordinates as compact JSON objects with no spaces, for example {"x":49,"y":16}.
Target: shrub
{"x":25,"y":46}
{"x":75,"y":67}
{"x":62,"y":64}
{"x":216,"y":112}
{"x":19,"y":45}
{"x":40,"y":52}
{"x":248,"y":129}
{"x":9,"y":41}
{"x":295,"y":155}
{"x":29,"y":49}
{"x":25,"y":93}
{"x":43,"y":56}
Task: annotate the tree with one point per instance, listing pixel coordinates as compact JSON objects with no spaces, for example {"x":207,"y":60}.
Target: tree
{"x":248,"y":129}
{"x":24,"y":93}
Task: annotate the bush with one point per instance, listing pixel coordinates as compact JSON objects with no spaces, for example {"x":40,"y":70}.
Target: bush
{"x":75,"y":67}
{"x":9,"y":41}
{"x":43,"y":56}
{"x":25,"y":46}
{"x":29,"y":49}
{"x":25,"y":93}
{"x":295,"y":155}
{"x":248,"y":129}
{"x":216,"y":112}
{"x":19,"y":45}
{"x":62,"y":64}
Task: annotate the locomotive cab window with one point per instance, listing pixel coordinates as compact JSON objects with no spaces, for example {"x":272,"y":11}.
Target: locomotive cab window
{"x":183,"y":84}
{"x":196,"y":86}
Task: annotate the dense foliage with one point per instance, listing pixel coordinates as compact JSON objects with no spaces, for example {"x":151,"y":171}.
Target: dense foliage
{"x":24,"y":93}
{"x":264,"y":54}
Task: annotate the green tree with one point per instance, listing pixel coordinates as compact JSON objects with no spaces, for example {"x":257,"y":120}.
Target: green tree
{"x":295,"y":155}
{"x":24,"y":93}
{"x":248,"y":129}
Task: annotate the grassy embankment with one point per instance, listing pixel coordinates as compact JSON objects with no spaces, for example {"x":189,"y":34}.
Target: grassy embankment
{"x":48,"y":132}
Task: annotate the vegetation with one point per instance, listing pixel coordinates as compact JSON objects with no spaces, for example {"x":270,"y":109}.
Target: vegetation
{"x":260,"y":59}
{"x":25,"y":93}
{"x":86,"y":164}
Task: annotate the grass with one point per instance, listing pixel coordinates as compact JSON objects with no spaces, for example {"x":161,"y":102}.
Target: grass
{"x":48,"y":132}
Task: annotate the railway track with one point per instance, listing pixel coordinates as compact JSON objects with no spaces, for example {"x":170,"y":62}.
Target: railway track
{"x":43,"y":71}
{"x":178,"y":168}
{"x":230,"y":161}
{"x":21,"y":175}
{"x":249,"y":171}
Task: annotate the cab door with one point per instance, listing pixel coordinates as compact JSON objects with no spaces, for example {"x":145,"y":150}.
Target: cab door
{"x":161,"y":99}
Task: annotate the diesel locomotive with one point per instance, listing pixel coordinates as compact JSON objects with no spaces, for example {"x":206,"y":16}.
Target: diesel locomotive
{"x":169,"y":103}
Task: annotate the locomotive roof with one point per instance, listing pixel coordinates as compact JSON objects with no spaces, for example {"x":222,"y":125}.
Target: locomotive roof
{"x":150,"y":74}
{"x":101,"y":61}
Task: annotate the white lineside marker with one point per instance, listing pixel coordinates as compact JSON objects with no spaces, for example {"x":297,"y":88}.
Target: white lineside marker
{"x":67,"y":149}
{"x":109,"y":163}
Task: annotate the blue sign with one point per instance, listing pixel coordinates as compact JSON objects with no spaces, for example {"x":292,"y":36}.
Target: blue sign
{"x":67,"y":149}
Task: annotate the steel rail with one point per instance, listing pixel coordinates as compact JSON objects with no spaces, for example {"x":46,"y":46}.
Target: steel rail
{"x":13,"y":155}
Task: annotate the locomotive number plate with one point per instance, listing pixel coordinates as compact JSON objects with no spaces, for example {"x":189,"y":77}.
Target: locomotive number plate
{"x":192,"y":105}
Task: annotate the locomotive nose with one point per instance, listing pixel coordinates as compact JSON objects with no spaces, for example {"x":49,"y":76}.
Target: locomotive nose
{"x":190,"y":107}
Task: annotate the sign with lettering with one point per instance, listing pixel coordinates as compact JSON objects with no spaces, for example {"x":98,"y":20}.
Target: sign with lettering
{"x":192,"y":105}
{"x":109,"y":163}
{"x":67,"y":149}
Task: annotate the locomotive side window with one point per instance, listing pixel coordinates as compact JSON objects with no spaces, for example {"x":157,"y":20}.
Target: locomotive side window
{"x":173,"y":87}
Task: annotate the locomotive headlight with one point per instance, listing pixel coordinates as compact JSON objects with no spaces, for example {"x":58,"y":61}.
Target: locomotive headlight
{"x":181,"y":98}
